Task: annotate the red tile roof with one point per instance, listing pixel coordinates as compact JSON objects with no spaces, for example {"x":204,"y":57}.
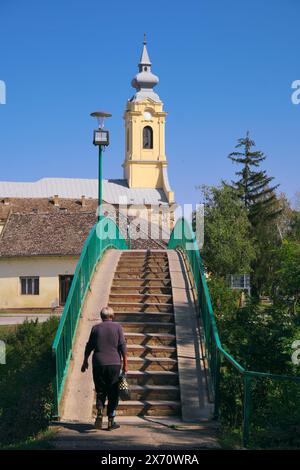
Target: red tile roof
{"x":46,"y":234}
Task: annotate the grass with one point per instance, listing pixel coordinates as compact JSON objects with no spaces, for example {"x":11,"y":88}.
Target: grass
{"x":41,"y":442}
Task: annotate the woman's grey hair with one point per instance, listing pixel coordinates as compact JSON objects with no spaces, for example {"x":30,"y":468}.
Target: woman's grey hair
{"x":107,"y":313}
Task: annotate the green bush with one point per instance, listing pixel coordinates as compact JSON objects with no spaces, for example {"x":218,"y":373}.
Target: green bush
{"x":26,"y":397}
{"x":260,"y":339}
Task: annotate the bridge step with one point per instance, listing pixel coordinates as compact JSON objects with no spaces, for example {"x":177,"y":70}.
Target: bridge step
{"x":152,"y":377}
{"x":141,"y":307}
{"x":143,"y":254}
{"x":165,"y":317}
{"x":152,"y":351}
{"x":141,"y":296}
{"x":144,"y":270}
{"x":152,"y":363}
{"x":140,"y":290}
{"x":148,"y":327}
{"x":140,"y":282}
{"x":143,"y":275}
{"x":148,"y":408}
{"x":142,"y":263}
{"x":150,"y":339}
{"x":155,"y":392}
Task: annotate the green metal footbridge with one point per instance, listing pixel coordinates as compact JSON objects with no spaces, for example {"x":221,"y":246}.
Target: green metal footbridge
{"x":106,"y":235}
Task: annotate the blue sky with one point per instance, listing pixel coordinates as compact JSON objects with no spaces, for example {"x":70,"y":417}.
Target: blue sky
{"x":225,"y":67}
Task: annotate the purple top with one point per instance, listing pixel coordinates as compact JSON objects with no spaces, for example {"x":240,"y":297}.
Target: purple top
{"x":108,"y":343}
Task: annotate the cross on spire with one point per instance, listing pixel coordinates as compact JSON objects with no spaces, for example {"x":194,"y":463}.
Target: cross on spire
{"x":145,"y":80}
{"x":145,"y":59}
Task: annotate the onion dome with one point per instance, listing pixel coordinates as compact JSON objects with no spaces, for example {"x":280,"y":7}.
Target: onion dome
{"x":145,"y":80}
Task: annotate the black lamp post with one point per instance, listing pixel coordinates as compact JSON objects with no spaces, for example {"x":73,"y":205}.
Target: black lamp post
{"x":101,"y":139}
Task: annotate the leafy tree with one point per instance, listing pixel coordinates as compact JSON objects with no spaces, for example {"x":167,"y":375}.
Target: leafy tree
{"x":225,"y":300}
{"x":284,"y":221}
{"x":260,"y":339}
{"x":297,"y":201}
{"x":294,"y":233}
{"x":287,"y":278}
{"x":253,"y":184}
{"x":267,"y":242}
{"x":228,"y":248}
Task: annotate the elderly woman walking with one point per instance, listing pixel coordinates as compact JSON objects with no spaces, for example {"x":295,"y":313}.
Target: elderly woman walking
{"x":109,"y":346}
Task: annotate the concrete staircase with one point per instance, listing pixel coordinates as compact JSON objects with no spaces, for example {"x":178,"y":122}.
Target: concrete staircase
{"x":141,"y":296}
{"x":150,"y":292}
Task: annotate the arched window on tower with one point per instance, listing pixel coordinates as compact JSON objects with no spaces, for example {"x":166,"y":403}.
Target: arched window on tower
{"x":147,"y":137}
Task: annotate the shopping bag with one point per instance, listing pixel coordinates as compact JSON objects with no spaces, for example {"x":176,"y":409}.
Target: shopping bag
{"x":124,"y":392}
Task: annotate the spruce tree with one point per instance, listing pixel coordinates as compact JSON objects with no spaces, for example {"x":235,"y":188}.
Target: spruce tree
{"x":253,"y":185}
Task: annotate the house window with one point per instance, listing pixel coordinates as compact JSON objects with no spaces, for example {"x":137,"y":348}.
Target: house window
{"x":30,"y":285}
{"x":147,"y":137}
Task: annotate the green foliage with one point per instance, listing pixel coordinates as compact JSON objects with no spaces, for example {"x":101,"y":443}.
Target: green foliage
{"x":225,"y":300}
{"x":249,"y":229}
{"x":295,"y":226}
{"x":6,"y":330}
{"x":42,"y":441}
{"x":227,"y":247}
{"x":267,"y":242}
{"x":256,"y":335}
{"x":286,"y":282}
{"x":263,"y":207}
{"x":26,"y":398}
{"x":260,"y":339}
{"x":275,"y":413}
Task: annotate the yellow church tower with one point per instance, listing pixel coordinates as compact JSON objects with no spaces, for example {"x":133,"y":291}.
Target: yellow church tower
{"x":145,"y":164}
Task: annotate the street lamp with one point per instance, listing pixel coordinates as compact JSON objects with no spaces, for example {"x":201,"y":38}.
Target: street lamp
{"x":101,"y":139}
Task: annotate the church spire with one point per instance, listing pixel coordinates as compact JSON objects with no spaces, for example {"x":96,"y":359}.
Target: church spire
{"x":145,"y":60}
{"x":145,"y":80}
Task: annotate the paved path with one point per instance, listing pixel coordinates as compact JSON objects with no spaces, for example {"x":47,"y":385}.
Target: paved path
{"x":78,"y":396}
{"x":18,"y":318}
{"x":141,"y":434}
{"x":193,"y":378}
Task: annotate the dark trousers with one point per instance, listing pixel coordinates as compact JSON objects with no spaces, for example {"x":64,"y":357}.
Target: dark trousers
{"x":106,"y":380}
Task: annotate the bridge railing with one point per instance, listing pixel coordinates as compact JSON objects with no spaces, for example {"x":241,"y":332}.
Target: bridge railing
{"x":183,"y":238}
{"x":105,"y":234}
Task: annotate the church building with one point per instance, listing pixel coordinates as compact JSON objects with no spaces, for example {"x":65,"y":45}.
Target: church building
{"x":145,"y":164}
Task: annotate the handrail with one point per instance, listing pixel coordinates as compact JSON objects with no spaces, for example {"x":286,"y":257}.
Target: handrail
{"x":105,"y":234}
{"x":183,"y":238}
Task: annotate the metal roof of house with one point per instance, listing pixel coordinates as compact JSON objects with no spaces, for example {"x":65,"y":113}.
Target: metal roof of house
{"x":115,"y":191}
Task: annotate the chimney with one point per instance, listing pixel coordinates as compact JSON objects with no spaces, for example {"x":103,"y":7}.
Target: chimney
{"x":56,"y":200}
{"x":83,"y":201}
